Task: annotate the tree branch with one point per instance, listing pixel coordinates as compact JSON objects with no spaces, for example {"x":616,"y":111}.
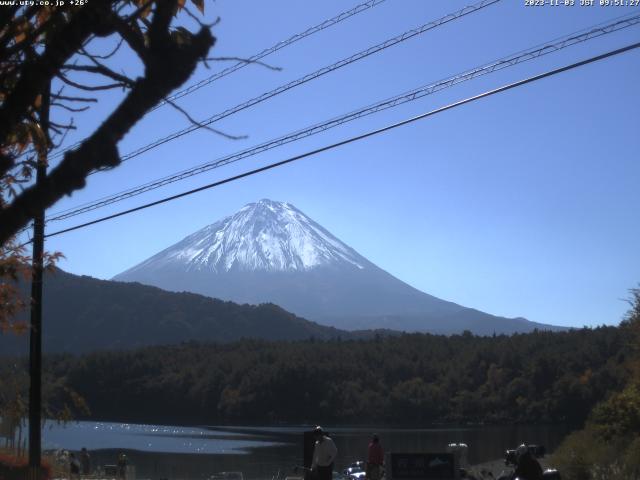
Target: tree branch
{"x":244,"y":60}
{"x":74,"y":99}
{"x":70,"y":109}
{"x":101,"y":70}
{"x":201,"y":125}
{"x":89,"y":88}
{"x":36,"y":73}
{"x":103,"y":57}
{"x":168,"y":66}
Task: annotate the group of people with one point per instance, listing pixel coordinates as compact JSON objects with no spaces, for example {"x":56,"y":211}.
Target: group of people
{"x":325,"y":452}
{"x":81,"y":464}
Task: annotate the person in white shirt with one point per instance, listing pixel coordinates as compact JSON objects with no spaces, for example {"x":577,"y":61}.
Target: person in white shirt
{"x":324,"y":453}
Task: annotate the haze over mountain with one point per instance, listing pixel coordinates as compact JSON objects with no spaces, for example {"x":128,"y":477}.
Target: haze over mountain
{"x":84,"y":314}
{"x":272,"y":252}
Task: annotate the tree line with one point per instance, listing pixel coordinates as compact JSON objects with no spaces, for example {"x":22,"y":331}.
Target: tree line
{"x":409,"y":379}
{"x":608,"y":447}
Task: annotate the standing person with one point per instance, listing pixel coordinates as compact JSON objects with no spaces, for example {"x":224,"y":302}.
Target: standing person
{"x":122,"y":466}
{"x":375,"y":459}
{"x":324,"y":453}
{"x":74,"y":466}
{"x":527,"y":467}
{"x":85,"y":461}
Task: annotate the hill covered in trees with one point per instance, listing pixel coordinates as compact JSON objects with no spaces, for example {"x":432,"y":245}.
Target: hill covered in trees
{"x":84,"y":314}
{"x":416,"y":379}
{"x":609,"y":444}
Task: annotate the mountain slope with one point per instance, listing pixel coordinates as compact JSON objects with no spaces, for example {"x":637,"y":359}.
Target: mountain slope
{"x":83,"y":314}
{"x":272,"y":252}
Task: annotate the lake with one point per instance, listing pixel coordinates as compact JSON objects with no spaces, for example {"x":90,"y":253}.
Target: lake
{"x":160,"y":451}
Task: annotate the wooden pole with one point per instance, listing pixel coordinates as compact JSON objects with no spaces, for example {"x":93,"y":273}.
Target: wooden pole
{"x":35,"y":340}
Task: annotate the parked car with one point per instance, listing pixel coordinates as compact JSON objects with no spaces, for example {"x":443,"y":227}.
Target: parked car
{"x":355,"y":471}
{"x":339,"y":476}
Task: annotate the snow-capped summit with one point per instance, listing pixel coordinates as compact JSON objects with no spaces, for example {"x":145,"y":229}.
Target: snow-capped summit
{"x":262,"y":236}
{"x":272,"y":252}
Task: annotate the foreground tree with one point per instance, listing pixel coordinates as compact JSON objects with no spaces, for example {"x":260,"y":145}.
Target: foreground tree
{"x":608,"y":447}
{"x":55,"y":45}
{"x":44,"y":45}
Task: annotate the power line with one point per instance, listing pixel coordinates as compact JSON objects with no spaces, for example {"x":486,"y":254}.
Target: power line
{"x":256,"y":57}
{"x":312,"y":76}
{"x":268,"y":51}
{"x":505,"y":62}
{"x":356,"y":138}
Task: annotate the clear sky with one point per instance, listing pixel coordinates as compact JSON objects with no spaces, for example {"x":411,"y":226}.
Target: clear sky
{"x":522,"y":204}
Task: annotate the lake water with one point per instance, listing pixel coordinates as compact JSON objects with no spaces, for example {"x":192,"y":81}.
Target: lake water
{"x":176,"y":452}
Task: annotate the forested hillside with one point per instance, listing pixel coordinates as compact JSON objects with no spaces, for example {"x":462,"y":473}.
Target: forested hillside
{"x":609,"y":445}
{"x":417,"y":379}
{"x":83,"y":314}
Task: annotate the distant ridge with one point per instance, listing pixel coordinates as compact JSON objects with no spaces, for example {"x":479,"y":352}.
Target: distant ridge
{"x":84,"y":314}
{"x":270,"y":251}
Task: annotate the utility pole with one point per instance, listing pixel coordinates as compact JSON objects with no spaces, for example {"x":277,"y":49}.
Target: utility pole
{"x":35,"y":340}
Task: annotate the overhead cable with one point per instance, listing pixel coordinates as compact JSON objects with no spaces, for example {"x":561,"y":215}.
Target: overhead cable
{"x":312,"y":76}
{"x":355,"y":138}
{"x":505,"y":62}
{"x":268,"y":51}
{"x":257,"y":57}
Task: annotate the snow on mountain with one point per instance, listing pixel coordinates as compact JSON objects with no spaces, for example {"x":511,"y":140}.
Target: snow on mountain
{"x":262,"y":236}
{"x":272,"y":252}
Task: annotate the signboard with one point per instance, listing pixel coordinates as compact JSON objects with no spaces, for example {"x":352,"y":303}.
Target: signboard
{"x":423,"y":466}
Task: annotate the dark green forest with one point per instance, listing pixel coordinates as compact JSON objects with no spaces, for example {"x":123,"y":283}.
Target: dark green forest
{"x":84,"y":314}
{"x":416,"y":379}
{"x":608,"y":447}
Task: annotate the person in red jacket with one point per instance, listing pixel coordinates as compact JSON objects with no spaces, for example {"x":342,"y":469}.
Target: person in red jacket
{"x":375,"y":459}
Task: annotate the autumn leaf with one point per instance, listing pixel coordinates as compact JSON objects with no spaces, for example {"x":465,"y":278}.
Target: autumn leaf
{"x":146,"y":12}
{"x":43,"y":15}
{"x":38,"y":138}
{"x":21,"y":31}
{"x":20,"y":328}
{"x":22,"y":137}
{"x":199,"y":4}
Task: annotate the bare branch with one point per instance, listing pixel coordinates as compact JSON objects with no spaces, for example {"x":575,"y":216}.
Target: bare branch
{"x":168,"y":65}
{"x":133,"y":36}
{"x":64,"y":136}
{"x":37,"y":72}
{"x":197,"y":20}
{"x":74,"y":99}
{"x":89,"y":88}
{"x":136,"y":14}
{"x":244,"y":60}
{"x":201,"y":125}
{"x":101,"y":70}
{"x":70,"y":109}
{"x":84,"y":52}
{"x":69,"y":126}
{"x":56,"y":130}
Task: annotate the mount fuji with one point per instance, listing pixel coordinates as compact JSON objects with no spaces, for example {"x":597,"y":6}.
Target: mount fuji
{"x":272,"y":252}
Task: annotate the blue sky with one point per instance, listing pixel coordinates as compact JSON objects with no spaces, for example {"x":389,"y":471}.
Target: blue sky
{"x":522,"y":204}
